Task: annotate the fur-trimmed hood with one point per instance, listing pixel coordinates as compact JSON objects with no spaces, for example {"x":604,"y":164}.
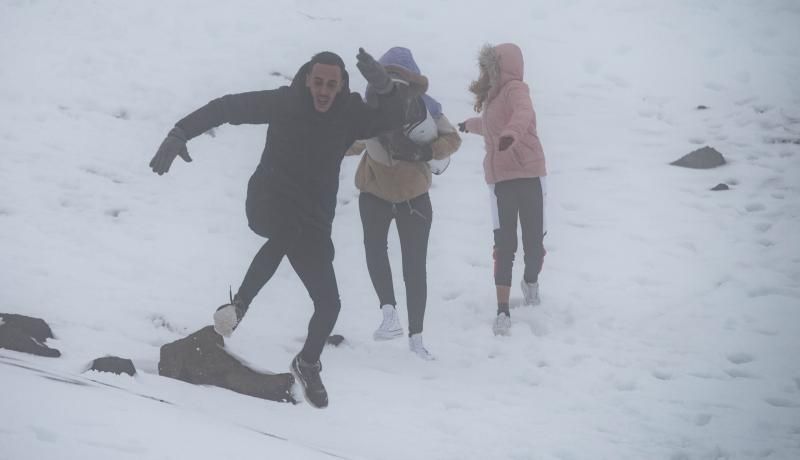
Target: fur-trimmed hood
{"x":503,"y":63}
{"x":399,"y":56}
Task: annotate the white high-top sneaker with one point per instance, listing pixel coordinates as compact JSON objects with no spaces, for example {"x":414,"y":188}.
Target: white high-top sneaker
{"x":530,"y":293}
{"x":502,"y":324}
{"x":415,"y":344}
{"x":227,"y":317}
{"x":390,"y":326}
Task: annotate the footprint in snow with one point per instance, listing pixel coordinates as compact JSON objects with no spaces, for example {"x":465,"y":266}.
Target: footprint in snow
{"x":578,"y":224}
{"x":115,"y":212}
{"x":702,"y":419}
{"x":763,"y":227}
{"x":767,"y":291}
{"x":452,"y":295}
{"x":662,"y":375}
{"x":762,"y":108}
{"x":740,"y":374}
{"x":766,"y":242}
{"x":570,"y":206}
{"x":781,"y":402}
{"x":754,"y":207}
{"x":740,"y":358}
{"x":105,"y":175}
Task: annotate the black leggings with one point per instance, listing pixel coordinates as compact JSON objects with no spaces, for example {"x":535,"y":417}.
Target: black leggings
{"x":413,"y":227}
{"x":523,"y":198}
{"x":311,"y":254}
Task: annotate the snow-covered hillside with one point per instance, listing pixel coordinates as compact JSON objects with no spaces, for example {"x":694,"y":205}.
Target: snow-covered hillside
{"x":670,"y":321}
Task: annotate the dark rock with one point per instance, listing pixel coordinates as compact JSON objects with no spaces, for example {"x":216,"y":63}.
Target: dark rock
{"x":335,"y":340}
{"x":201,"y":359}
{"x":26,"y":334}
{"x":702,"y":107}
{"x":704,"y":158}
{"x":719,"y":187}
{"x":114,"y":365}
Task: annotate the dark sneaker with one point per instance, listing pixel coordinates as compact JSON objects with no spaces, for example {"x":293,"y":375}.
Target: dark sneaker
{"x":308,"y":377}
{"x":228,"y":316}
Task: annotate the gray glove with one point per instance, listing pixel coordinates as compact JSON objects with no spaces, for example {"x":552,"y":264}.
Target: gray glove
{"x":173,"y":145}
{"x":373,"y":72}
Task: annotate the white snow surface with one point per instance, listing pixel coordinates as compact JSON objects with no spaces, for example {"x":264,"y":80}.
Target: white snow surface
{"x":670,"y":319}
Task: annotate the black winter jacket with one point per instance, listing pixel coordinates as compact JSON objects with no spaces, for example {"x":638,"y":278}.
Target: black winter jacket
{"x":295,"y":184}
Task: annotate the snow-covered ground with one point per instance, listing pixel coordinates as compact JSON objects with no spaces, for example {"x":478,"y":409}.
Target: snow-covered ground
{"x":670,"y":322}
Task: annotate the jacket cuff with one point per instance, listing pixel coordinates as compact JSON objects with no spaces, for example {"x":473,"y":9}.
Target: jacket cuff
{"x":179,"y":133}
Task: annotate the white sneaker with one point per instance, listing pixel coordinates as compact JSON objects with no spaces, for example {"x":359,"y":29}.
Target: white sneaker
{"x":502,"y":324}
{"x":390,"y":326}
{"x":415,"y":345}
{"x":226,"y":318}
{"x":530,"y":293}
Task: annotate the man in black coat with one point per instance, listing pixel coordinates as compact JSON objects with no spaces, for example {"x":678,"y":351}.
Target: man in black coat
{"x":291,"y":196}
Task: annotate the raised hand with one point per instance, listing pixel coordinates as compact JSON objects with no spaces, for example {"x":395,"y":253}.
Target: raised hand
{"x":373,"y":72}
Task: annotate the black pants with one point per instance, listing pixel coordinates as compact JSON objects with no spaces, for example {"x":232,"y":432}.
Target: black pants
{"x":311,"y":254}
{"x":413,"y":227}
{"x":521,"y":198}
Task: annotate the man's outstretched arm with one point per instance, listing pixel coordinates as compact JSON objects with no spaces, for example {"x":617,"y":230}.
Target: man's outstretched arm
{"x":255,"y":107}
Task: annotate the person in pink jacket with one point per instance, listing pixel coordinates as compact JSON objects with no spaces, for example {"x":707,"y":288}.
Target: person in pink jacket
{"x":514,"y":167}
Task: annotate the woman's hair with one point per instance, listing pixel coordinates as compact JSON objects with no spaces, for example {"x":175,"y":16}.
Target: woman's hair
{"x":487,"y":62}
{"x":480,"y":88}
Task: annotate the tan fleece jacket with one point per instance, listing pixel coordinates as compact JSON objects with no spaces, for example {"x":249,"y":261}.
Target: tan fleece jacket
{"x":404,"y":180}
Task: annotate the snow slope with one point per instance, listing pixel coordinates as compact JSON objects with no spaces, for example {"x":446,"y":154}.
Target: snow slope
{"x":670,"y":322}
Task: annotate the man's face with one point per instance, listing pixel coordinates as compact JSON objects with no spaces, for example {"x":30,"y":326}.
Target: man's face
{"x":324,"y":81}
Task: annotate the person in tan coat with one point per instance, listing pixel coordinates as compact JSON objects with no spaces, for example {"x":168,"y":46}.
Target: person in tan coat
{"x":394,"y":177}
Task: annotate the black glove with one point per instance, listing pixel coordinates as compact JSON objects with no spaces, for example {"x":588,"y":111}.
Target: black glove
{"x":173,"y":145}
{"x":373,"y":72}
{"x":463,"y":127}
{"x":403,"y":148}
{"x":505,"y":142}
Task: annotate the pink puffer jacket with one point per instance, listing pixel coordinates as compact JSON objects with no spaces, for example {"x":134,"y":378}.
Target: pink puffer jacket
{"x":508,"y":111}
